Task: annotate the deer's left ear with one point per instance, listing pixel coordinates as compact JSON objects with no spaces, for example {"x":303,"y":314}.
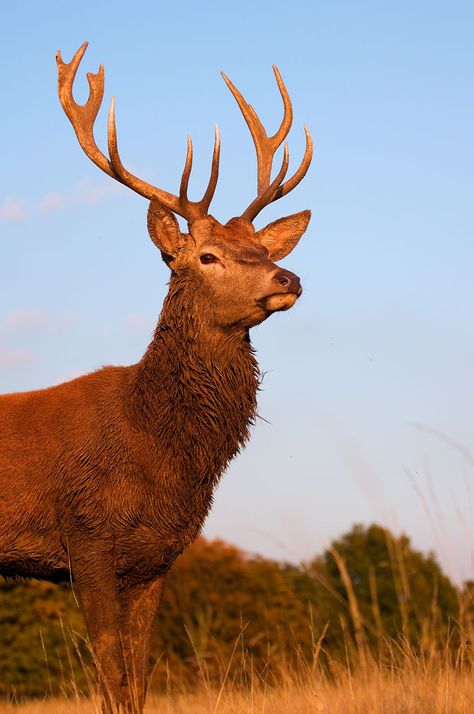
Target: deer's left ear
{"x":164,"y":231}
{"x":281,"y":236}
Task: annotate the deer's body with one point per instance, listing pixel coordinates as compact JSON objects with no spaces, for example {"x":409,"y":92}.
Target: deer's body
{"x":106,"y":479}
{"x":92,"y":454}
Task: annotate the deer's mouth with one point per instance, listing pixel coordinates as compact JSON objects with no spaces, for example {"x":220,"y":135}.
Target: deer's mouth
{"x":279,"y":301}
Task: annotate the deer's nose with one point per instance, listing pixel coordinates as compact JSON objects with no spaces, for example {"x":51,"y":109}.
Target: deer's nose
{"x":288,"y":280}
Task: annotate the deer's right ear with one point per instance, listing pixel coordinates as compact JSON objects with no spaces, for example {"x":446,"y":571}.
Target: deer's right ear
{"x":164,"y":231}
{"x":281,"y":236}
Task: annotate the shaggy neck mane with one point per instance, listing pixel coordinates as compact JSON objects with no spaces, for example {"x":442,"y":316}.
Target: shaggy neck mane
{"x":194,"y":390}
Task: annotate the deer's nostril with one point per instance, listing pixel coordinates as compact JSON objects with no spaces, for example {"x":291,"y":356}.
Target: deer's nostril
{"x":287,"y":281}
{"x":283,"y":278}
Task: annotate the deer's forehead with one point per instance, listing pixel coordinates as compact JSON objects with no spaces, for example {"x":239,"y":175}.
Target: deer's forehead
{"x":234,"y":230}
{"x":240,"y":253}
{"x":236,"y":240}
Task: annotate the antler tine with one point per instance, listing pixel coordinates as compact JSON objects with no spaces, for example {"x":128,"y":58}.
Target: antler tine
{"x":83,"y":116}
{"x":211,"y":186}
{"x":188,"y":165}
{"x":265,"y":146}
{"x":201,"y":206}
{"x":301,"y":171}
{"x":287,"y":120}
{"x":266,"y":197}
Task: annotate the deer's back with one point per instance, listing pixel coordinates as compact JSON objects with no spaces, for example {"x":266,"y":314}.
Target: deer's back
{"x":38,"y":428}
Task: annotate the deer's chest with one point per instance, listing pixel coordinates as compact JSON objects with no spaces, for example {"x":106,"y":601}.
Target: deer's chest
{"x":149,"y":544}
{"x":177,"y":462}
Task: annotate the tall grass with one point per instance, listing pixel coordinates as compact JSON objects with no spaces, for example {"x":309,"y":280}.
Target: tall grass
{"x":412,"y":686}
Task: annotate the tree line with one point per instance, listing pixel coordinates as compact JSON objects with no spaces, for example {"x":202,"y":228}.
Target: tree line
{"x":227,"y":616}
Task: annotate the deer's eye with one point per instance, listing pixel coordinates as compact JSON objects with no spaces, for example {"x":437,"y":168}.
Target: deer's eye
{"x":207,"y":258}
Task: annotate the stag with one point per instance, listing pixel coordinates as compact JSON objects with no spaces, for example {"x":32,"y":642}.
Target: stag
{"x":106,"y":479}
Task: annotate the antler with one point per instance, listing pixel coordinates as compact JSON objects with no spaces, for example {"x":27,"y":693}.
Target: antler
{"x":266,"y":146}
{"x":82,"y":118}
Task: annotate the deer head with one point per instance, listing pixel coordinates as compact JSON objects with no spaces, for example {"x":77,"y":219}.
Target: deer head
{"x":231,"y":267}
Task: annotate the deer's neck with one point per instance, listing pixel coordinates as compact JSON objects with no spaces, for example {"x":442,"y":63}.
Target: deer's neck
{"x":194,"y":391}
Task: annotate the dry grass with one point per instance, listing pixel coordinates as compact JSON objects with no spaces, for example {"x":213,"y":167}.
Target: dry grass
{"x":400,"y":694}
{"x":415,"y":689}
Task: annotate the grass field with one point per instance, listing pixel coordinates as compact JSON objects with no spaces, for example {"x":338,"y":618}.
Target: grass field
{"x":419,"y":687}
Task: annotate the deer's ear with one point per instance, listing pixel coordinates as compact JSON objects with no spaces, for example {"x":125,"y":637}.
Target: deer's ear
{"x":281,"y":236}
{"x":164,"y":230}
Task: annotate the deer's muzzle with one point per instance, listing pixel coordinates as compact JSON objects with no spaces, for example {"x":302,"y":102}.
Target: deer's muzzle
{"x":287,"y":290}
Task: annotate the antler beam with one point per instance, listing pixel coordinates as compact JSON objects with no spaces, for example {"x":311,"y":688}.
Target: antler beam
{"x":82,"y":118}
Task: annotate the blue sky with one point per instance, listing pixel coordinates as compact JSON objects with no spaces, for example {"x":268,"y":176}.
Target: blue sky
{"x":369,"y":395}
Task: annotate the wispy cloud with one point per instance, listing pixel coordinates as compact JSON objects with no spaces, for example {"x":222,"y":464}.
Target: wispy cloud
{"x":14,"y":357}
{"x":53,"y":201}
{"x":84,"y":193}
{"x":12,"y":209}
{"x":38,"y":320}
